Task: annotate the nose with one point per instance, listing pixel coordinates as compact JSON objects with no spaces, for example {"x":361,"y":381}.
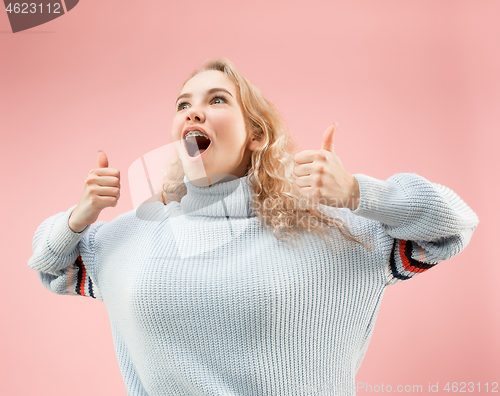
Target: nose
{"x":194,"y":114}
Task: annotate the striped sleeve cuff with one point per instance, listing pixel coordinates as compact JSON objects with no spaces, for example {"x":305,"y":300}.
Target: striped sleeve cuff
{"x":83,"y":284}
{"x":402,"y":264}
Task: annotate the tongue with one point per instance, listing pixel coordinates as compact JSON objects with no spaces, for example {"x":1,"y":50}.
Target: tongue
{"x":196,"y":145}
{"x":196,"y":153}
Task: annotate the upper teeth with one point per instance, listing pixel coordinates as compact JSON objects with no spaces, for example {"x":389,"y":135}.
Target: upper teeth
{"x":194,"y":133}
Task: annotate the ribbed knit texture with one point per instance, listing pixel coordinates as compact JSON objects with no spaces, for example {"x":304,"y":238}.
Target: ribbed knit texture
{"x":204,"y":301}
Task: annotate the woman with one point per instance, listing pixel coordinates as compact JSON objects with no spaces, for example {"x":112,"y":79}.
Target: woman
{"x":267,"y":269}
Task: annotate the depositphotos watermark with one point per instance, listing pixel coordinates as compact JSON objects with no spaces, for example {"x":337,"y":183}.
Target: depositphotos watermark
{"x":23,"y":16}
{"x":145,"y":181}
{"x":384,"y":388}
{"x":430,"y":387}
{"x":146,"y":177}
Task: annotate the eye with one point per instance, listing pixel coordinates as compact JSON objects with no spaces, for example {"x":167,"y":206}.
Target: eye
{"x":216,"y":98}
{"x":180,"y":105}
{"x":219,"y":97}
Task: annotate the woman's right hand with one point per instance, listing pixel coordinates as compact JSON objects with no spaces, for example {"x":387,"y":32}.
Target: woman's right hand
{"x":102,"y":189}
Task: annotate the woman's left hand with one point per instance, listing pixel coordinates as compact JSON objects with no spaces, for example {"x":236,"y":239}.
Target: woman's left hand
{"x":322,"y":177}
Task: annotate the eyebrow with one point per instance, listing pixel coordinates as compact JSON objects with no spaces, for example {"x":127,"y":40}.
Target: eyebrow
{"x":212,"y":90}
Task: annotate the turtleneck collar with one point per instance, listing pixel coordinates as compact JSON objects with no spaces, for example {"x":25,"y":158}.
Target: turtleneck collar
{"x":224,"y":199}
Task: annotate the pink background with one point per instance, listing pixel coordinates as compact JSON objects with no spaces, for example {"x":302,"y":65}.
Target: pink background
{"x":414,"y":86}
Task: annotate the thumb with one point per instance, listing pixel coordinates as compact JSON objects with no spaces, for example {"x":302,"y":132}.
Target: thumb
{"x":102,"y":160}
{"x":327,"y":143}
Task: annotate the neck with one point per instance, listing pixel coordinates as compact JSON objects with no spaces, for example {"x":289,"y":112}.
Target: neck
{"x":211,"y":179}
{"x":226,"y":198}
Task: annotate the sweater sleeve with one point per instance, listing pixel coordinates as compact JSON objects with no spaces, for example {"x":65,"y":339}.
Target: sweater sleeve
{"x":428,"y":222}
{"x":65,"y":260}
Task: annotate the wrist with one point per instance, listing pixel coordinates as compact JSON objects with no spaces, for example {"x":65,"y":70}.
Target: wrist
{"x":74,"y":225}
{"x":355,"y":194}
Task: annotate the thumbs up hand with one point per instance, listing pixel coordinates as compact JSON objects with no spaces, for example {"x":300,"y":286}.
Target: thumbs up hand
{"x":322,"y":177}
{"x":101,"y":189}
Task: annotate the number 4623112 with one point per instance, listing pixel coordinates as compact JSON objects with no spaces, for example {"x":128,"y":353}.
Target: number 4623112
{"x":471,"y":387}
{"x":33,"y":8}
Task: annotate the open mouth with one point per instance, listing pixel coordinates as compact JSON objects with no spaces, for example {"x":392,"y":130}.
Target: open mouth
{"x":196,"y":145}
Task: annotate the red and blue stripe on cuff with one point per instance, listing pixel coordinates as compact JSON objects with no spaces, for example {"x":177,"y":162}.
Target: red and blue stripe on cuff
{"x":402,"y":265}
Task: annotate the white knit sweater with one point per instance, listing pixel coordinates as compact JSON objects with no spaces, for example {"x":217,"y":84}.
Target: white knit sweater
{"x":204,"y":301}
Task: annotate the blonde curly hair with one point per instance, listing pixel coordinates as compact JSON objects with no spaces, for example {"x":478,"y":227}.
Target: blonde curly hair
{"x":276,"y":199}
